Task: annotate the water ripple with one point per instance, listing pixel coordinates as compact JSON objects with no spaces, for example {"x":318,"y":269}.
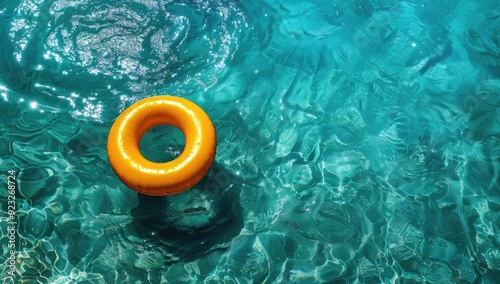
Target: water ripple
{"x":91,"y":53}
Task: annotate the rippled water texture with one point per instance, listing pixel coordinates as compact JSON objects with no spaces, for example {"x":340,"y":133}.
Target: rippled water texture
{"x":358,"y":141}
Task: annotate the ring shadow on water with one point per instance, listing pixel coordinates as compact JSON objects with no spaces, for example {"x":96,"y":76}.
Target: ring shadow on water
{"x":194,"y":223}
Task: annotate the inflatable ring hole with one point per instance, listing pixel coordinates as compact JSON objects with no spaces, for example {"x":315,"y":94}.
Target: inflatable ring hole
{"x":162,"y":143}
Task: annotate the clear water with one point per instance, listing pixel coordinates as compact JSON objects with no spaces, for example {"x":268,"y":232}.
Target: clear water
{"x":358,"y":140}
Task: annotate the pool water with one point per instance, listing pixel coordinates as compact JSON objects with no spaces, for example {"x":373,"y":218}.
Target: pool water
{"x":358,"y":141}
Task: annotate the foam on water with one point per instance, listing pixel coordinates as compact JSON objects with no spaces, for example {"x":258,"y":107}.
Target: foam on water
{"x":358,"y":141}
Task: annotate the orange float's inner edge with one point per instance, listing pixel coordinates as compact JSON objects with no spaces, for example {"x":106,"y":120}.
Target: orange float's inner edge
{"x":172,"y":177}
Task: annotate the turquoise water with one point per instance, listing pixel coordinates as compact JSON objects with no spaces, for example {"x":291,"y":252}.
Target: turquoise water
{"x":358,"y":141}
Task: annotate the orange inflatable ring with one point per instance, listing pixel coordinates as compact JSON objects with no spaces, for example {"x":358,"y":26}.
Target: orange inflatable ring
{"x":172,"y":177}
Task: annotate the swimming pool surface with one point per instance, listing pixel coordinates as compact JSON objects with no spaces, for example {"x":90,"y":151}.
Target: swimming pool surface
{"x":358,"y":141}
